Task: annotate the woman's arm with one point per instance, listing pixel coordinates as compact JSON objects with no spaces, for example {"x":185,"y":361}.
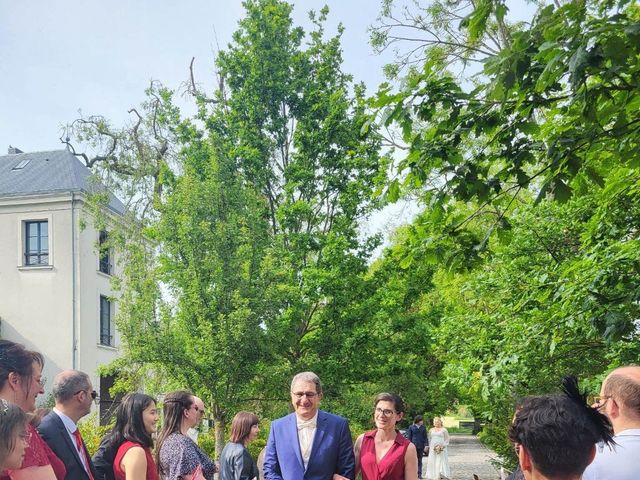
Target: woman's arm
{"x":446,"y":437}
{"x":411,"y":463}
{"x":33,"y":473}
{"x":134,"y":464}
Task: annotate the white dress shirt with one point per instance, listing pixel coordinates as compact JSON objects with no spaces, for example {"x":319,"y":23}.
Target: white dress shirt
{"x":619,"y":463}
{"x":306,"y":433}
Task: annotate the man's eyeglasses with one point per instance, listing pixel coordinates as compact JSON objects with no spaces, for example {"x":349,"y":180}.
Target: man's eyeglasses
{"x":599,"y":400}
{"x":93,"y":393}
{"x":384,"y":412}
{"x":309,"y":395}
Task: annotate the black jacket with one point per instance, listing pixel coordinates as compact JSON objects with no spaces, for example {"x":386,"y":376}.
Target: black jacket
{"x":53,"y":431}
{"x":417,"y":435}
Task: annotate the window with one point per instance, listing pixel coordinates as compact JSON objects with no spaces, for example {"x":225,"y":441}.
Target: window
{"x":104,"y":252}
{"x":106,"y":326}
{"x":36,"y":248}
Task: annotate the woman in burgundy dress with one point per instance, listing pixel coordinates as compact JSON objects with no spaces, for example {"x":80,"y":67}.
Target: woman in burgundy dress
{"x":21,"y":382}
{"x":383,"y":453}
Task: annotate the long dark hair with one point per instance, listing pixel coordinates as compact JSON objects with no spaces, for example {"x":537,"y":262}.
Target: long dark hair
{"x":175,"y":403}
{"x":129,"y":422}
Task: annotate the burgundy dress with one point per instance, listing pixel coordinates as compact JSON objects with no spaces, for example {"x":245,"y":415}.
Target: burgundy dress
{"x":38,"y":454}
{"x":152,"y":471}
{"x":391,"y":466}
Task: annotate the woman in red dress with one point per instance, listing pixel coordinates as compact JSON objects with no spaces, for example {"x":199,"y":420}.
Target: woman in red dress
{"x":20,"y":383}
{"x":136,"y":421}
{"x":383,"y":453}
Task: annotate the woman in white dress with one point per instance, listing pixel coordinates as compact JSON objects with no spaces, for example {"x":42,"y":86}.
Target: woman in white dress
{"x":438,"y":459}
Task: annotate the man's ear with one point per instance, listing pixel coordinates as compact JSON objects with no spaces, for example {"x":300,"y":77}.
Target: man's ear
{"x":614,"y":408}
{"x":525,"y":459}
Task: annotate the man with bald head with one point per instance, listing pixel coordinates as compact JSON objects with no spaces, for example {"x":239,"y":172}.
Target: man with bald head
{"x":198,"y":406}
{"x":73,"y":393}
{"x":620,"y":401}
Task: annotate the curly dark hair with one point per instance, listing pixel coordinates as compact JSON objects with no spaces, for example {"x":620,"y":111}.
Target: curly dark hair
{"x":560,"y":431}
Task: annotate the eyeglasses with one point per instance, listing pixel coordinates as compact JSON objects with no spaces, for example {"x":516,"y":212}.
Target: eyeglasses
{"x":599,"y":400}
{"x":385,"y":412}
{"x":309,"y":395}
{"x":197,"y":409}
{"x":93,"y":393}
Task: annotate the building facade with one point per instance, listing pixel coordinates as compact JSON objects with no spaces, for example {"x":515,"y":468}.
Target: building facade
{"x":55,"y":292}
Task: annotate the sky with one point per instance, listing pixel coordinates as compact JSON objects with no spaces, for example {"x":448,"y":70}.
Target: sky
{"x":59,"y":57}
{"x":62,"y":57}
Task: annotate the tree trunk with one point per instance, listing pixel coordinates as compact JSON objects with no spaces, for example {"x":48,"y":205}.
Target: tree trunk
{"x":219,"y":425}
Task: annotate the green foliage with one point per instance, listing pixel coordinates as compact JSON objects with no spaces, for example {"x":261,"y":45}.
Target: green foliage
{"x":528,"y":174}
{"x":92,"y":432}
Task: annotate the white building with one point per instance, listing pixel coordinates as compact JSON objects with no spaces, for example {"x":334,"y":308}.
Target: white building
{"x":55,"y":294}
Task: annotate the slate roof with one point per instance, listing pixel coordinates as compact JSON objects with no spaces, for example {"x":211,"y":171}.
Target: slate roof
{"x":47,"y":172}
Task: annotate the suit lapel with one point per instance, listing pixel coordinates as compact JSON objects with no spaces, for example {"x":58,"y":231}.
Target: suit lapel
{"x":321,"y":428}
{"x":65,"y":435}
{"x":293,"y":432}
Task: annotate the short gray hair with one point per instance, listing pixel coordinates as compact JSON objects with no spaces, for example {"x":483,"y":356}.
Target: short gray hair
{"x":68,"y":383}
{"x":307,"y":377}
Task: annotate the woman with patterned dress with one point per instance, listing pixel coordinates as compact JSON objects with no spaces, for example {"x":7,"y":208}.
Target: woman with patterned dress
{"x":136,"y":420}
{"x":236,"y":463}
{"x":21,"y":382}
{"x":178,"y":455}
{"x":438,"y":460}
{"x":383,"y":453}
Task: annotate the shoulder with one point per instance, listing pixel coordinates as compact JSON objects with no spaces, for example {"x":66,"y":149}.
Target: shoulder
{"x":50,"y":422}
{"x":131,"y":451}
{"x":176,"y":442}
{"x":331,"y":417}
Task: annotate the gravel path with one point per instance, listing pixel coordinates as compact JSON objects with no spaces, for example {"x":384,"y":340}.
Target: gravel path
{"x":468,"y":456}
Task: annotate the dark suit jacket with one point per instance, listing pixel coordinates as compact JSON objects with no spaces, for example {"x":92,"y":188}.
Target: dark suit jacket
{"x":53,"y":431}
{"x":417,"y":434}
{"x":332,"y":450}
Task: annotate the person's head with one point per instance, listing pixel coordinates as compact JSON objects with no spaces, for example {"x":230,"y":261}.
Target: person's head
{"x":418,"y":419}
{"x":38,"y":415}
{"x":437,"y":422}
{"x":306,"y":393}
{"x":20,"y":375}
{"x":244,"y":427}
{"x":13,"y":435}
{"x":555,"y":435}
{"x":198,"y":406}
{"x":388,"y":410}
{"x":136,"y":420}
{"x":620,"y":398}
{"x":73,"y":393}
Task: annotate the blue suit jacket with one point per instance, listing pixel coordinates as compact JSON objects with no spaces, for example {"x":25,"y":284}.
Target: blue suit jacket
{"x":332,"y":450}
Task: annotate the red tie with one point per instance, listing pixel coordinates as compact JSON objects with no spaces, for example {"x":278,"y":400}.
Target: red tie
{"x":81,"y":449}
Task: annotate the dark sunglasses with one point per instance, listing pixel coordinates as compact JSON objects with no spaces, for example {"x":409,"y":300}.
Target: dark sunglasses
{"x":93,"y":393}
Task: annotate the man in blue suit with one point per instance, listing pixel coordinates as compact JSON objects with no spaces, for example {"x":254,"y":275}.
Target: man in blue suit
{"x":309,"y":444}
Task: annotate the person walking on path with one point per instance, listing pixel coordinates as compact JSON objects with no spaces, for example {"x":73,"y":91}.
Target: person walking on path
{"x":619,"y":400}
{"x":309,"y":444}
{"x":417,"y":435}
{"x":438,"y":459}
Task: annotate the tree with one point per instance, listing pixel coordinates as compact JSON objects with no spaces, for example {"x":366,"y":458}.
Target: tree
{"x":250,"y":251}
